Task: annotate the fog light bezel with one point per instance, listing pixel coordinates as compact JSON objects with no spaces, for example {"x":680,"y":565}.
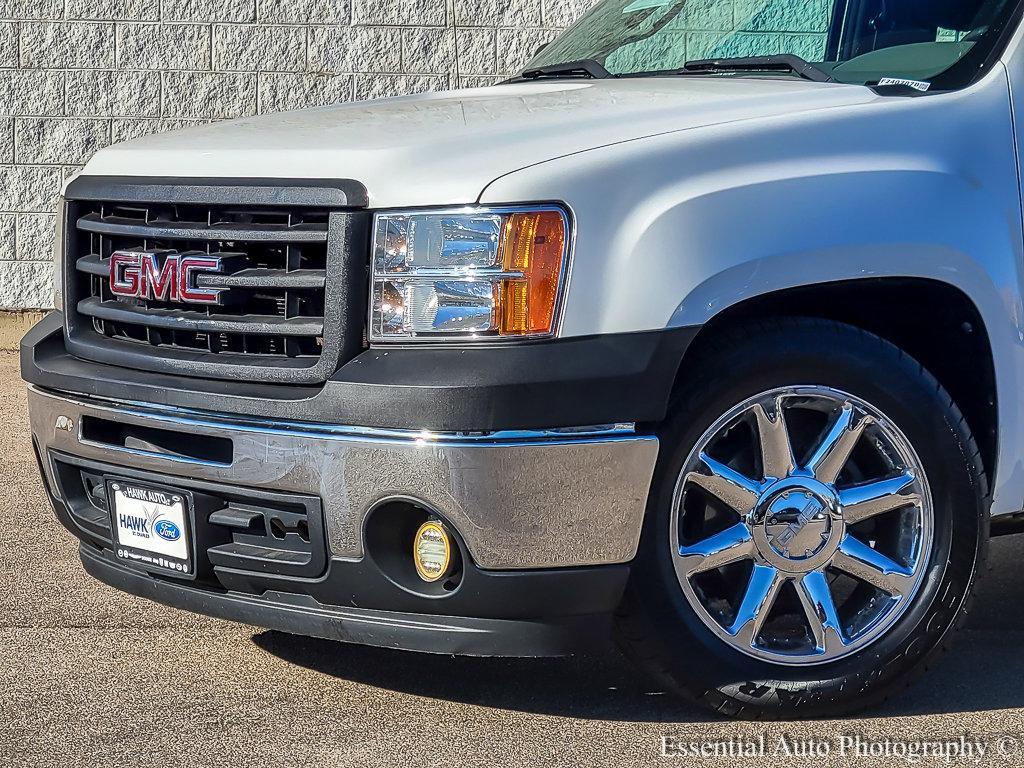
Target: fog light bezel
{"x":389,"y":531}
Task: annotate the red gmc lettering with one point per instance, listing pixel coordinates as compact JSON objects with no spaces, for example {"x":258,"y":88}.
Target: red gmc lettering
{"x":140,"y":275}
{"x":124,"y":273}
{"x":158,"y":282}
{"x":187,"y":273}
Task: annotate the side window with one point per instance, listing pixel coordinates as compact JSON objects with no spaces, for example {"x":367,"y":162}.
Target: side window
{"x":873,"y":25}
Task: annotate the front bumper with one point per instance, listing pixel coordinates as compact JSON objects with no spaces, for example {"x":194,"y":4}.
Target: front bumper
{"x":547,"y":521}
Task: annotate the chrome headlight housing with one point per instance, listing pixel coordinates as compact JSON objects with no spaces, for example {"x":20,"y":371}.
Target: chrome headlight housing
{"x":468,"y":274}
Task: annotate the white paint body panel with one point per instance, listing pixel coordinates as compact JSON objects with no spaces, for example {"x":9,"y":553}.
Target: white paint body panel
{"x":728,"y":212}
{"x":689,"y":194}
{"x":923,"y":187}
{"x":444,"y":148}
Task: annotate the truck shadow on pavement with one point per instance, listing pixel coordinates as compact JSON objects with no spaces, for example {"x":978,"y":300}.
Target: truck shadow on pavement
{"x":981,"y":672}
{"x":599,"y":687}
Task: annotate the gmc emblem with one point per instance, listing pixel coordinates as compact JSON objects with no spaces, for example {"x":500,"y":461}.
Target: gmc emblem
{"x":138,"y":274}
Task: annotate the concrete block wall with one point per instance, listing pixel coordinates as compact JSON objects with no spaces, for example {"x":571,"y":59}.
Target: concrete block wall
{"x":77,"y":75}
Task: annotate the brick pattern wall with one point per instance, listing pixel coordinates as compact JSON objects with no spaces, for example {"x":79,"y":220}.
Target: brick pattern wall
{"x":77,"y":75}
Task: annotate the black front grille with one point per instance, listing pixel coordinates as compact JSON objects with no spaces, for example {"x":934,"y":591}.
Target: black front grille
{"x":278,"y":316}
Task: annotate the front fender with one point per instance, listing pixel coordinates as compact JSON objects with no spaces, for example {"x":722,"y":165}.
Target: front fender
{"x":673,"y":230}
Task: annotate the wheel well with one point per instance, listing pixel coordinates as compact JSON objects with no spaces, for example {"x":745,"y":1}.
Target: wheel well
{"x":935,"y":323}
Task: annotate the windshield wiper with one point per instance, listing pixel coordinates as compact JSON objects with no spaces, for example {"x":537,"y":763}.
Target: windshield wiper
{"x":589,"y":68}
{"x":786,"y":62}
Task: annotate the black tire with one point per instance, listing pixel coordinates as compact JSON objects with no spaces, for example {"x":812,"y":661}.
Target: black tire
{"x":657,"y":627}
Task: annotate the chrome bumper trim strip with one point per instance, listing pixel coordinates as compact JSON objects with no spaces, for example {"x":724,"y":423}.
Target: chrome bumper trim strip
{"x":178,"y":415}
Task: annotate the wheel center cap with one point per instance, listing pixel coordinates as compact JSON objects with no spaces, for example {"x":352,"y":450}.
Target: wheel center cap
{"x":797,"y":524}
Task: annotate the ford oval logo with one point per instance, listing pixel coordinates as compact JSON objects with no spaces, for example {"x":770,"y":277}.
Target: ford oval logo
{"x":165,"y":529}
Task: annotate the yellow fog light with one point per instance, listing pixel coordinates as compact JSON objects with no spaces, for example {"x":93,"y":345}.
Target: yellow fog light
{"x":432,"y":551}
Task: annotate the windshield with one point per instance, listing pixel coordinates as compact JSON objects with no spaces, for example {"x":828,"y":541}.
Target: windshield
{"x":854,"y":41}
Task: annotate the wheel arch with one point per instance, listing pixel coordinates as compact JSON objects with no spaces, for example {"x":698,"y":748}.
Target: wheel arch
{"x":956,"y":348}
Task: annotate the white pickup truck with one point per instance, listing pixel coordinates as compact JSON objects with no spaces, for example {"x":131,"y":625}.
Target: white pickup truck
{"x":704,"y":331}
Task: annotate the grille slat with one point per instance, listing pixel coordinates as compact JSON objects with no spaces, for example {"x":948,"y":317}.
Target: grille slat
{"x":267,"y":278}
{"x":199,"y":321}
{"x":120,"y":226}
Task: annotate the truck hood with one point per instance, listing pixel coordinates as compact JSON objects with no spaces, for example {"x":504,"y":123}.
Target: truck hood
{"x":445,"y":148}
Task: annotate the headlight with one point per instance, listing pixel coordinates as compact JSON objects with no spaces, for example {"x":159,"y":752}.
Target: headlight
{"x":468,"y":274}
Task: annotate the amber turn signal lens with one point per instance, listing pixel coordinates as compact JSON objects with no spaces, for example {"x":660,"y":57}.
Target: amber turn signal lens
{"x":533,"y":244}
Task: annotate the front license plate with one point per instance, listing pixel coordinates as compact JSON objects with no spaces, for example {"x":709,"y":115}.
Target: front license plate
{"x":150,"y":526}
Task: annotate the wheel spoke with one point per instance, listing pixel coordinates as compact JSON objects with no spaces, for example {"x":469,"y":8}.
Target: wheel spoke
{"x":864,"y":501}
{"x":776,"y":451}
{"x":756,"y":604}
{"x":822,"y":617}
{"x":723,"y":548}
{"x":726,"y":485}
{"x":861,"y":561}
{"x":831,"y":456}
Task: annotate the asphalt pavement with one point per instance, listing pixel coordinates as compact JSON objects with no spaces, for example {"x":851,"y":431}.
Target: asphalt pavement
{"x":93,"y":677}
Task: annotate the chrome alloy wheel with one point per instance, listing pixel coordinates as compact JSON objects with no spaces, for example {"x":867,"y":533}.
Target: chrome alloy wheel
{"x":801,"y":525}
